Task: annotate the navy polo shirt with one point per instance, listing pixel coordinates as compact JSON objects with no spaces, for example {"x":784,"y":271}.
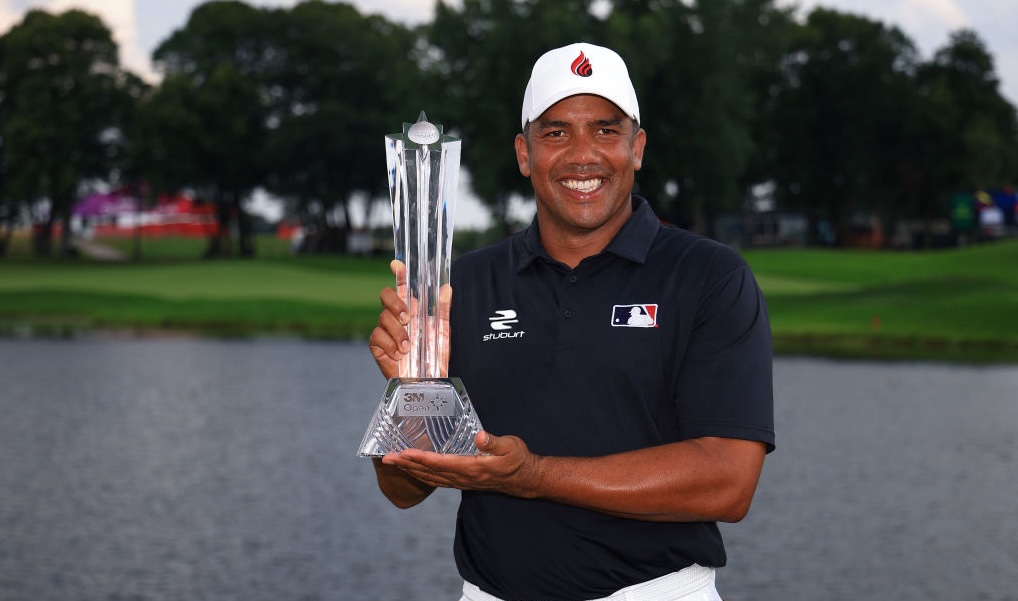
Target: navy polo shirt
{"x":661,"y":337}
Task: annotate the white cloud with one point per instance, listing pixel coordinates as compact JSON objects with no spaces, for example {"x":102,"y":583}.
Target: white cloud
{"x":940,"y":13}
{"x":409,"y":11}
{"x":929,"y":24}
{"x":918,"y":18}
{"x":118,"y":15}
{"x":8,"y":16}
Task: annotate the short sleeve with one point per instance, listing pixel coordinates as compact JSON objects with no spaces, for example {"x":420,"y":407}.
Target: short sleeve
{"x":725,"y":382}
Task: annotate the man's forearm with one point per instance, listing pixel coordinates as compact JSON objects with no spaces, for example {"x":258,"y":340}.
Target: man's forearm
{"x":709,"y":479}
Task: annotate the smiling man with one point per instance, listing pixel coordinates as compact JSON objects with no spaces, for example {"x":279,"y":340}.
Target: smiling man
{"x":635,"y":412}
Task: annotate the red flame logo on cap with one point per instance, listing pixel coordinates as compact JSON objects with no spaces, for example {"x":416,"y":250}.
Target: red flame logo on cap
{"x":581,"y":66}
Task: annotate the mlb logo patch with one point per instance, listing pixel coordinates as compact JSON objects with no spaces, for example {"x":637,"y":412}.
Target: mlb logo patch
{"x":634,"y":316}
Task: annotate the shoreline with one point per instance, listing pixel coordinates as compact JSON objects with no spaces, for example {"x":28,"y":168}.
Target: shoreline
{"x":849,"y":347}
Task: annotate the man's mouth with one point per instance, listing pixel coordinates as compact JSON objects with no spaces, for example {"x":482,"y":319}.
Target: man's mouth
{"x":583,"y":185}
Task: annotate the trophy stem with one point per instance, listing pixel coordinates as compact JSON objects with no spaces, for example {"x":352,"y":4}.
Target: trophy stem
{"x":424,"y":281}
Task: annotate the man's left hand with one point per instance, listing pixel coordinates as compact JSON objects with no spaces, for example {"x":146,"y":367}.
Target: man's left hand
{"x":506,"y":466}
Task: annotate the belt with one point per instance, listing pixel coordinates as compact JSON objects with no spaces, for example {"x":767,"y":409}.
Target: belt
{"x":670,"y":587}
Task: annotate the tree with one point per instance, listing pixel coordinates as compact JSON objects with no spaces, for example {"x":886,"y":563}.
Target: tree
{"x":9,"y":206}
{"x":62,"y":114}
{"x":695,"y":84}
{"x":700,"y":88}
{"x":214,"y":67}
{"x":341,"y":82}
{"x":485,"y":51}
{"x":315,"y":87}
{"x":205,"y":135}
{"x":966,"y":133}
{"x":839,"y":108}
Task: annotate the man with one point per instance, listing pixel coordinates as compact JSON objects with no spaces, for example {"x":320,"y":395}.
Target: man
{"x":612,"y":448}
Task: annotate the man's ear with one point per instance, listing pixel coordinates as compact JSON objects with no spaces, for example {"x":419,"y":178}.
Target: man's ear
{"x":522,"y":155}
{"x":639,"y":143}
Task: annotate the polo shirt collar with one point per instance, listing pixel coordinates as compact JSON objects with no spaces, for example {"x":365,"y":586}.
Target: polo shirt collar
{"x":632,"y":242}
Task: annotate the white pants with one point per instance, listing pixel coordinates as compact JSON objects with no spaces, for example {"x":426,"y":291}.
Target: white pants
{"x":695,"y":583}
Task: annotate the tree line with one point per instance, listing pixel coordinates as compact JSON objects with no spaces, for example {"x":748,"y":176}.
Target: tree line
{"x":834,"y":112}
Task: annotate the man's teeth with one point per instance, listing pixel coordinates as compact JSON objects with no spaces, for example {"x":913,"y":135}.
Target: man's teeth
{"x":584,"y":185}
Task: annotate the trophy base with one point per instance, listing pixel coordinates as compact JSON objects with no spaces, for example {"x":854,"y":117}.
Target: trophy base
{"x":431,"y":414}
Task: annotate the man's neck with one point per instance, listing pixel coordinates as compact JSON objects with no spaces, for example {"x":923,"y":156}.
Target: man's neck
{"x":569,"y":245}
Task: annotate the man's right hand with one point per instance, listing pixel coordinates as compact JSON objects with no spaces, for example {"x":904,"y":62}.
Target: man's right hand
{"x":389,"y":341}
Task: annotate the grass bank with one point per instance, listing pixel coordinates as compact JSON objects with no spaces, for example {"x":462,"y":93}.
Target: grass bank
{"x":958,"y":304}
{"x":955,"y":305}
{"x":170,"y":289}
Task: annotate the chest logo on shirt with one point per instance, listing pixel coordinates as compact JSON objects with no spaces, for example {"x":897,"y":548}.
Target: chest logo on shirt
{"x":502,"y":323}
{"x":634,"y":316}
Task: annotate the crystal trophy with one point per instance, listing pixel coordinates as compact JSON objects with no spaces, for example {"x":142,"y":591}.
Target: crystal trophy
{"x":421,"y":408}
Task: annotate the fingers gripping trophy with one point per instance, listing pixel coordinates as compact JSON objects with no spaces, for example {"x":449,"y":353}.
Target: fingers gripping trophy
{"x":421,"y":408}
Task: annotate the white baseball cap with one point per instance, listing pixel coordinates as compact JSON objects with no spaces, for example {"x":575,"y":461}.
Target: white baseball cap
{"x":579,"y":69}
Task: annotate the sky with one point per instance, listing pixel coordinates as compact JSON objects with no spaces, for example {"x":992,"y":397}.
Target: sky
{"x":140,"y":25}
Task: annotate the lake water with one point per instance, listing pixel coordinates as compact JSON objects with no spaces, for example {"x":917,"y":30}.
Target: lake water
{"x":178,"y":469}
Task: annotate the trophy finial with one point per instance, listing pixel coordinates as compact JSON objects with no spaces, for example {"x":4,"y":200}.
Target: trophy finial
{"x":423,"y":132}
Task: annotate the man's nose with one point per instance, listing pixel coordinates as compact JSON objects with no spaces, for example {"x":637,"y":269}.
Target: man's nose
{"x":582,"y":148}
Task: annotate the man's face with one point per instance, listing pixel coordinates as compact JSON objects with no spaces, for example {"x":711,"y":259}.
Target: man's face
{"x":581,"y":156}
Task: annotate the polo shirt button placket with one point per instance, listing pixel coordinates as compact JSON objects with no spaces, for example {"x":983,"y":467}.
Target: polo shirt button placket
{"x":568,"y":314}
{"x":569,"y":311}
